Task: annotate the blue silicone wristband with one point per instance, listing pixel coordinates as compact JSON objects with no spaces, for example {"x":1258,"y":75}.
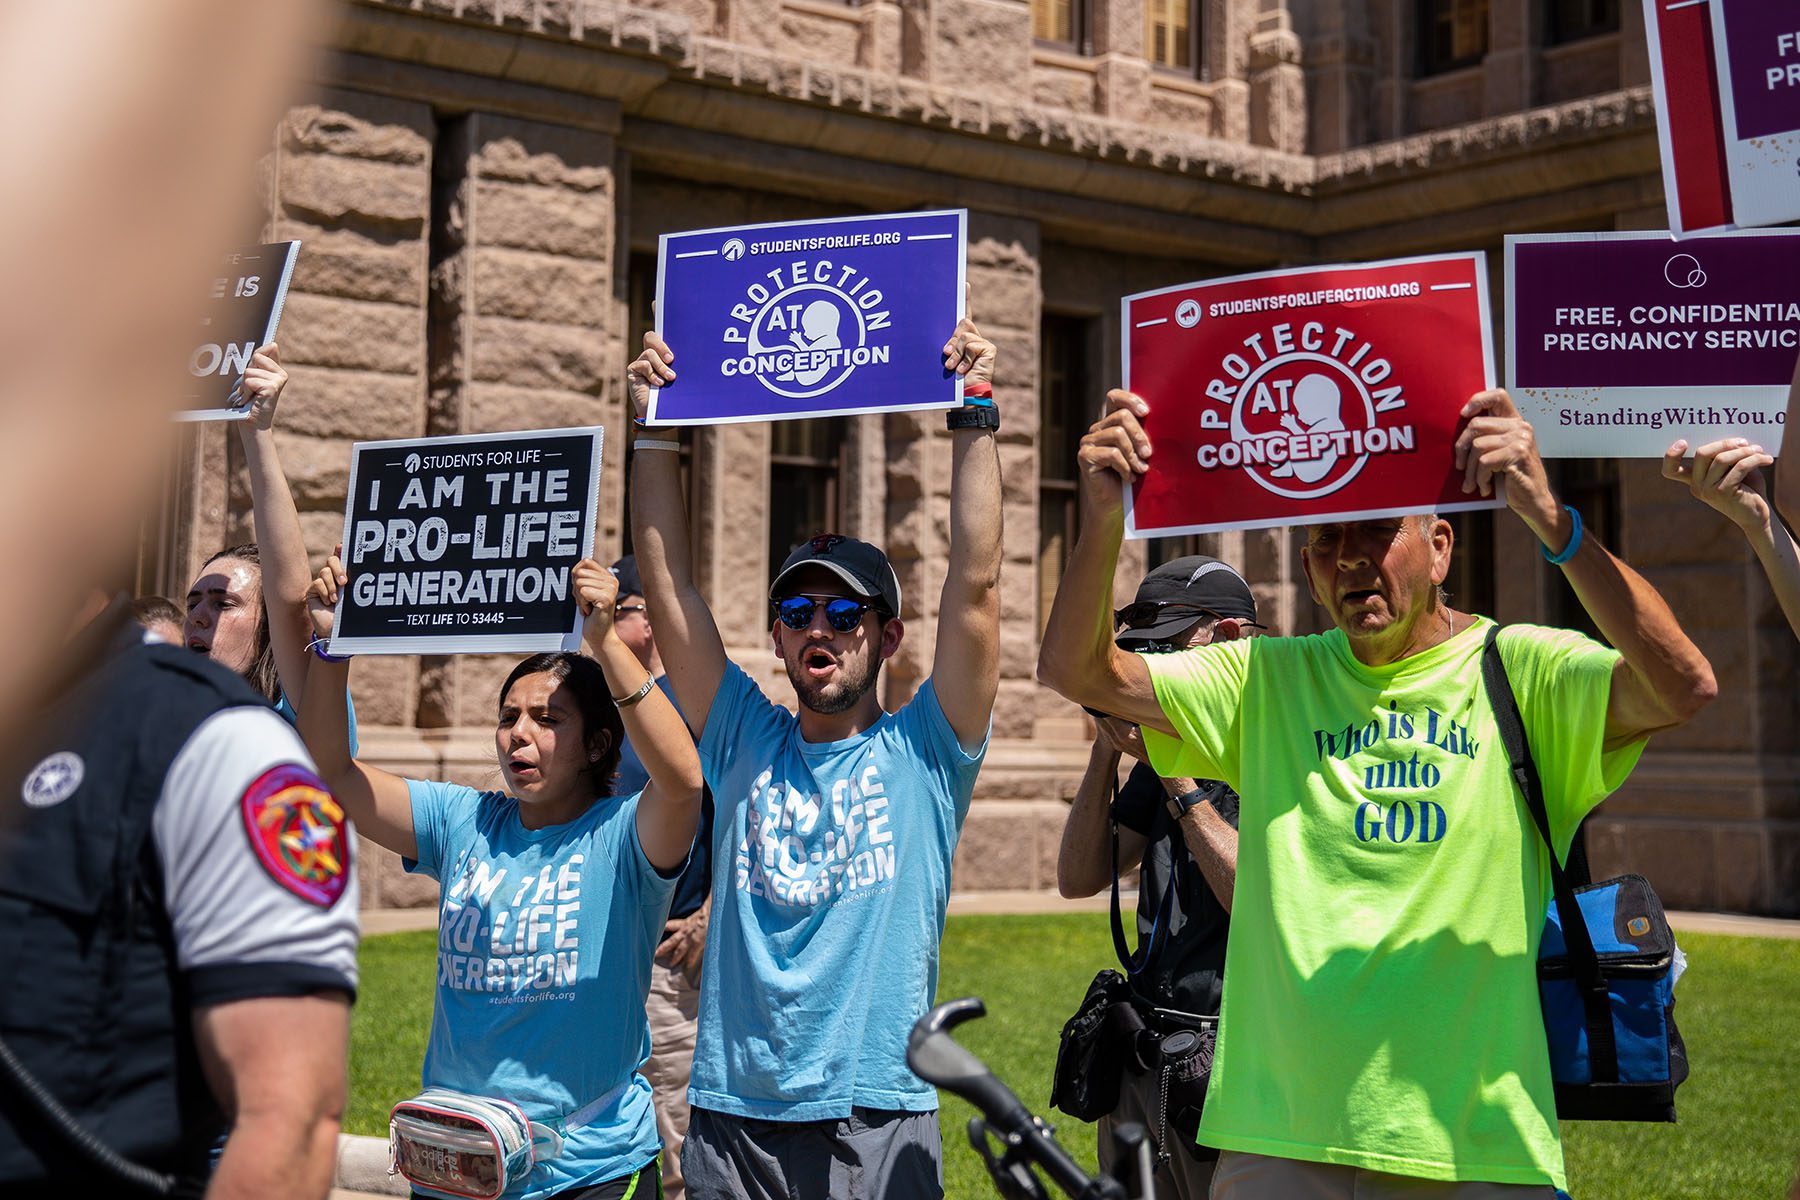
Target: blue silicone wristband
{"x":1574,"y":545}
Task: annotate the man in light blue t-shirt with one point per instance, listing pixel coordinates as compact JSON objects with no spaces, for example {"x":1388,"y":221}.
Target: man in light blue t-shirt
{"x":834,"y":829}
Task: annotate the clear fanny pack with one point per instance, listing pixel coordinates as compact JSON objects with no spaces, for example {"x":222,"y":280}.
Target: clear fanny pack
{"x":462,"y":1147}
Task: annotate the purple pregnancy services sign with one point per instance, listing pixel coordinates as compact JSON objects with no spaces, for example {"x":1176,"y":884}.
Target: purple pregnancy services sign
{"x":1619,"y":343}
{"x":810,"y":318}
{"x":1756,"y":44}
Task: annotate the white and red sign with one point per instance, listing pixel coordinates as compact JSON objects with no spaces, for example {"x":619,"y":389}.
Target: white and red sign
{"x":1314,"y":394}
{"x":1727,"y":80}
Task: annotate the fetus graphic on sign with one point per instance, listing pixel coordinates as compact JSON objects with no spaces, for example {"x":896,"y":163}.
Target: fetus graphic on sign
{"x":818,"y":331}
{"x":1318,"y":408}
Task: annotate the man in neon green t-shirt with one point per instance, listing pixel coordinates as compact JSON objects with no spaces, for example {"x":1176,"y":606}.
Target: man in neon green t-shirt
{"x":1381,"y":1023}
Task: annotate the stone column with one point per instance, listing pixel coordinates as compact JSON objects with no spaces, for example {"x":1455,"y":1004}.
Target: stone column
{"x":734,"y":573}
{"x":864,"y":478}
{"x":351,"y":180}
{"x":526,"y":332}
{"x":1509,"y":72}
{"x":1277,"y":85}
{"x":1005,"y":303}
{"x":883,"y":33}
{"x":915,"y":38}
{"x":1225,"y":29}
{"x":1010,"y":838}
{"x":1393,"y":28}
{"x":751,"y":22}
{"x":1122,"y":73}
{"x":350,"y":177}
{"x":1634,"y":47}
{"x":1006,"y":291}
{"x":976,"y":41}
{"x":1340,"y":75}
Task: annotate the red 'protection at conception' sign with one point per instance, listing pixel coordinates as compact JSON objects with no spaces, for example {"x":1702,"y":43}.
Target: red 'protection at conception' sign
{"x":1300,"y":396}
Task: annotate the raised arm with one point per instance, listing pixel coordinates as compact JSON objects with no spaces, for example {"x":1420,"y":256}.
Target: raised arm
{"x":1727,"y":476}
{"x":686,"y":635}
{"x":965,"y":668}
{"x":379,"y":803}
{"x":1662,"y":679}
{"x":1084,"y":863}
{"x":669,"y":810}
{"x":279,"y":543}
{"x":1078,"y":659}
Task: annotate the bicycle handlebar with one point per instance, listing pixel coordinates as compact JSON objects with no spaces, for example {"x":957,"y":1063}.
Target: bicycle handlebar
{"x":941,"y":1061}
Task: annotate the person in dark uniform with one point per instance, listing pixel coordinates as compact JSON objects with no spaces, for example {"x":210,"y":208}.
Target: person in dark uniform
{"x":178,"y":912}
{"x":1183,"y":832}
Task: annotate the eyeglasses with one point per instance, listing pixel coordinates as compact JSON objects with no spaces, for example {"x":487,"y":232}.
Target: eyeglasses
{"x":1149,"y":612}
{"x":841,"y":613}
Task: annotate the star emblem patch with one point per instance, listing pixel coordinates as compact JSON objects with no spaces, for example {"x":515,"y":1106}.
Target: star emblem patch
{"x":53,"y":780}
{"x":298,"y":831}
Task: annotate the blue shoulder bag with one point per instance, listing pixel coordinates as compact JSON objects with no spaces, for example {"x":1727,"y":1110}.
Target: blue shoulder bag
{"x":1605,"y":966}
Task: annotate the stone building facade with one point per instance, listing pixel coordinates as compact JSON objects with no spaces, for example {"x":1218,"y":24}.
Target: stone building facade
{"x":479,"y":186}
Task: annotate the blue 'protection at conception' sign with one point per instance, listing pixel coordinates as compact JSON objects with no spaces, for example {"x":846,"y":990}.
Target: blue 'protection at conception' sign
{"x":810,"y":318}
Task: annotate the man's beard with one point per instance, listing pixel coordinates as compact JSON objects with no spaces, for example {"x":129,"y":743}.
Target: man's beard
{"x":840,"y":695}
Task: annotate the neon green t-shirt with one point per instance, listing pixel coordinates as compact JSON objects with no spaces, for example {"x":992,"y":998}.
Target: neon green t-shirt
{"x":1381,"y":1005}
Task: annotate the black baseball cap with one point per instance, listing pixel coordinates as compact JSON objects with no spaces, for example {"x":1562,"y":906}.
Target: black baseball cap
{"x":862,"y":566}
{"x":625,"y":571}
{"x":1198,"y":581}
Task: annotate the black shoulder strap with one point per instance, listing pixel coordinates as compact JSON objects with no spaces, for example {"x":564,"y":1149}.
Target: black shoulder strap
{"x":1146,"y":951}
{"x":1584,"y":964}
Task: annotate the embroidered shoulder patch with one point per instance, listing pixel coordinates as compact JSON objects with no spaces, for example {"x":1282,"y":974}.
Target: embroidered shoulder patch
{"x":297,"y":829}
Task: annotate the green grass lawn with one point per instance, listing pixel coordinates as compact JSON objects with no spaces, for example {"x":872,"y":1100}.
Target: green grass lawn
{"x":1738,"y":1008}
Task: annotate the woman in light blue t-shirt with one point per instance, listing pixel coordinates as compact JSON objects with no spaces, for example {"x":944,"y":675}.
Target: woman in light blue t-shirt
{"x":553,"y":891}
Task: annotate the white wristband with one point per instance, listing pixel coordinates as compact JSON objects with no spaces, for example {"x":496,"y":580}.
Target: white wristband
{"x":644,"y":443}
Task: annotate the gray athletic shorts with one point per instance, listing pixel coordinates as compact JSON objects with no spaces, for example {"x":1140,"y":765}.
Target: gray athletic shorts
{"x":873,"y":1154}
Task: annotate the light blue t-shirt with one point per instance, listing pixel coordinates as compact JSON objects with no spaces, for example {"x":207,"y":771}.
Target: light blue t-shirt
{"x":286,"y":712}
{"x":831,"y":873}
{"x":545,"y":938}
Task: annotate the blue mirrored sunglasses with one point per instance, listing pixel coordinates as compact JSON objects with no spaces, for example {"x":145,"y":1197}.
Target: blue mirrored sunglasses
{"x":841,"y":613}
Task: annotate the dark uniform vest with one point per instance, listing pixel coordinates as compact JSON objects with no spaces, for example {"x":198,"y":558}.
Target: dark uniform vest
{"x":91,"y":1001}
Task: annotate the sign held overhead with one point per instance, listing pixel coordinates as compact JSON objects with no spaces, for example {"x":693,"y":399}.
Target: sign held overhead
{"x":1307,"y":395}
{"x":810,"y":318}
{"x":242,"y":311}
{"x":465,"y":544}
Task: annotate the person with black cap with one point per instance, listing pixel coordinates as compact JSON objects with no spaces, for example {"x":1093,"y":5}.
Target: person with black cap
{"x":835,"y":828}
{"x":673,"y":1004}
{"x":1183,"y":832}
